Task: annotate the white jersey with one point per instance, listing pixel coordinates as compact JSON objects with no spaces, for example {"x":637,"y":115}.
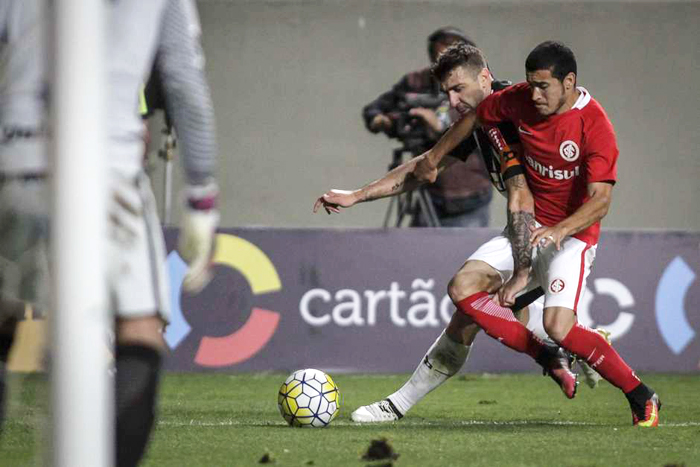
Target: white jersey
{"x":167,"y":31}
{"x":23,"y":87}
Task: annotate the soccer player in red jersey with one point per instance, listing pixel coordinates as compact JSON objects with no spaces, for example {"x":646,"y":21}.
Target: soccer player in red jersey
{"x":570,"y":159}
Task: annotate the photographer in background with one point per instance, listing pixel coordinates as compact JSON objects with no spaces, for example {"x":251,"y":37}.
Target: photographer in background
{"x":461,"y":194}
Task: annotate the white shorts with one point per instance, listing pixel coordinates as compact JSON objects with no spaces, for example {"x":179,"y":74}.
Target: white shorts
{"x":24,"y":237}
{"x":561,"y":274}
{"x":138,"y":281}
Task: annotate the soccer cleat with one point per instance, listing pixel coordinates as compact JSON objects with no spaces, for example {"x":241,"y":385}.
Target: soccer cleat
{"x":590,"y":376}
{"x":557,"y":365}
{"x":379,"y":412}
{"x":648,"y":415}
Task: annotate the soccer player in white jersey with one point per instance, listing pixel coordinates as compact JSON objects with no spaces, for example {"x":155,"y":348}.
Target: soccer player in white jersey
{"x":450,"y":351}
{"x":138,"y":33}
{"x":167,"y":31}
{"x":570,"y":159}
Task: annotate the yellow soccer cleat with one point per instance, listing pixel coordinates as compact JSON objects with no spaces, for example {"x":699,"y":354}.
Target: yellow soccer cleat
{"x":650,"y":417}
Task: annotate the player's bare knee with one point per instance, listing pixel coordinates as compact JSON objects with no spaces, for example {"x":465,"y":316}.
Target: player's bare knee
{"x":146,"y":331}
{"x":464,"y":284}
{"x":558,"y":322}
{"x":455,"y":288}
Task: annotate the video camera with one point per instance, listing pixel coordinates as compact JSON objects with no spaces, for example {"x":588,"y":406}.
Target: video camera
{"x":410,"y":130}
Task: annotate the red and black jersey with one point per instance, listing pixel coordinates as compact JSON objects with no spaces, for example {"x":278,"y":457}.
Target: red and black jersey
{"x":561,"y":154}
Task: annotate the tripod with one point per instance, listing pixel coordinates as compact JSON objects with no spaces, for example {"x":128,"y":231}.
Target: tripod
{"x":413,"y":203}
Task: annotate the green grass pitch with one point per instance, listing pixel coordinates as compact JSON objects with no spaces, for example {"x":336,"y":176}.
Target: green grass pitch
{"x":475,"y":420}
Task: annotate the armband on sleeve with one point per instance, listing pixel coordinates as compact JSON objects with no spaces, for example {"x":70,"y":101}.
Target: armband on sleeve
{"x":504,"y":139}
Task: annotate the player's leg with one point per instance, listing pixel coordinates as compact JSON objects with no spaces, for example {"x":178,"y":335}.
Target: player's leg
{"x":138,"y":287}
{"x":590,"y":345}
{"x":444,"y":358}
{"x":534,"y":322}
{"x":501,"y":324}
{"x":448,"y":353}
{"x":565,"y":272}
{"x":138,"y":357}
{"x":483,"y":274}
{"x":591,"y":376}
{"x":532,"y":317}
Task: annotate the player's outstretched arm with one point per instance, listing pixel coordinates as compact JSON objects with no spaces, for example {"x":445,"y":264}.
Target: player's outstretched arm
{"x":397,"y":181}
{"x":590,"y":212}
{"x":427,"y":168}
{"x":189,"y":103}
{"x":521,"y":215}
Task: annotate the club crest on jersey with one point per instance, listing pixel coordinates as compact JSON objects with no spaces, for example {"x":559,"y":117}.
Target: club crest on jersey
{"x":557,"y":286}
{"x":568,"y":150}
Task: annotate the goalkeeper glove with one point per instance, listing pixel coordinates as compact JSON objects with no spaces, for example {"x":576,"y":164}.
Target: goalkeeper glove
{"x":197,"y":229}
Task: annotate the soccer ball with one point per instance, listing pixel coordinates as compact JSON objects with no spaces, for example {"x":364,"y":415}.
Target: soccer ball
{"x":309,"y":398}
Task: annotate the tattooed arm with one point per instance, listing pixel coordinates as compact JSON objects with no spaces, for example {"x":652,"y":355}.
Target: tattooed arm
{"x":521,"y":215}
{"x":397,"y":181}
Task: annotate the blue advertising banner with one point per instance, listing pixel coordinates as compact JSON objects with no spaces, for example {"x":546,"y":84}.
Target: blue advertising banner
{"x":375,"y":300}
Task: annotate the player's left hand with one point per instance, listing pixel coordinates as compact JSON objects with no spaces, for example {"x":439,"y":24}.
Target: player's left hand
{"x":543,"y":236}
{"x":508,"y":291}
{"x":334,"y":199}
{"x":197,"y":233}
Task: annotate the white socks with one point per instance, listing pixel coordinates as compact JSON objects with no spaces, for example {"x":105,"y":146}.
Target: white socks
{"x":444,"y":359}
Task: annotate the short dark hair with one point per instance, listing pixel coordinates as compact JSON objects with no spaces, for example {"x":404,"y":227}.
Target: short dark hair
{"x":446,"y":35}
{"x":458,"y":55}
{"x":553,"y":56}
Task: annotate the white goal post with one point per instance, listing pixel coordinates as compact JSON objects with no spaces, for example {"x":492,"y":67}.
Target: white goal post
{"x":81,"y":396}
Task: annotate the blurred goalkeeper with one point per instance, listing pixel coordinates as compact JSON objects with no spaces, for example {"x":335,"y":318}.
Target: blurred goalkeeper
{"x":167,"y":32}
{"x":138,"y":33}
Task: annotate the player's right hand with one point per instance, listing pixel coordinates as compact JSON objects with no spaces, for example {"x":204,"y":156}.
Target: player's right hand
{"x":424,"y":171}
{"x":508,"y":291}
{"x":332,"y":200}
